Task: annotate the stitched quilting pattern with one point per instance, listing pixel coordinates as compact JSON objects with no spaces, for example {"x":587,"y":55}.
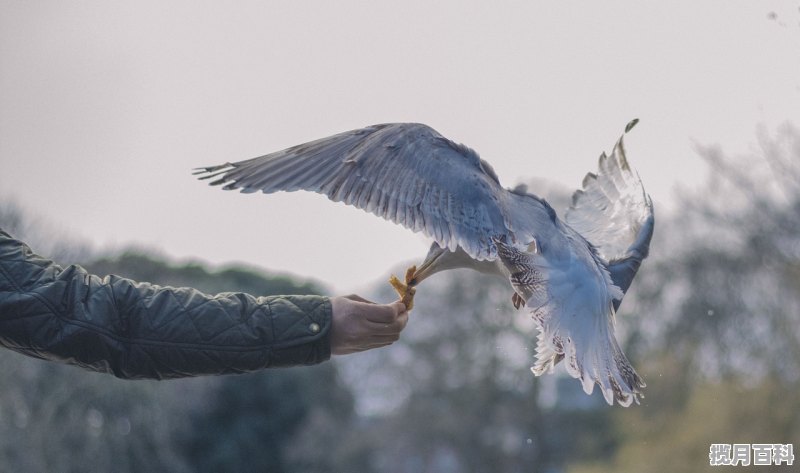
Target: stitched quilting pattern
{"x":136,"y":330}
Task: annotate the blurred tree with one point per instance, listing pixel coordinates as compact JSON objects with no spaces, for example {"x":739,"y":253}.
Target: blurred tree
{"x":723,"y":330}
{"x":727,"y":287}
{"x":60,"y":418}
{"x":139,"y":265}
{"x":252,"y":423}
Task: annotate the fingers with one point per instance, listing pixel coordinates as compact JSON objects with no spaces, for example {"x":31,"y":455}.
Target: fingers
{"x":399,"y":306}
{"x":394,"y":328}
{"x":384,"y":313}
{"x":358,"y":324}
{"x":402,"y":320}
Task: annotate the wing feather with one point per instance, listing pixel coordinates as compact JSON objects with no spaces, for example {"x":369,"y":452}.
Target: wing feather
{"x":612,"y":206}
{"x":614,"y":213}
{"x":404,"y":172}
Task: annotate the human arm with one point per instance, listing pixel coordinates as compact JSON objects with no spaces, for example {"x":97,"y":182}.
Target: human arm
{"x":141,"y":330}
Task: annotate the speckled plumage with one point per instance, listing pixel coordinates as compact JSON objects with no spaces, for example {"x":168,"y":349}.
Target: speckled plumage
{"x":571,"y":274}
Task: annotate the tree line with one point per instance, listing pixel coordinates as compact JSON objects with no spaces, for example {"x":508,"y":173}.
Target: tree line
{"x":712,"y":323}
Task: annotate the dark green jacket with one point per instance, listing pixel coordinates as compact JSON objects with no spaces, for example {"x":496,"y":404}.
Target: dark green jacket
{"x":140,"y":330}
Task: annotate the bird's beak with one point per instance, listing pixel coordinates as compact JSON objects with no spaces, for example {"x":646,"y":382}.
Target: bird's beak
{"x":430,"y":265}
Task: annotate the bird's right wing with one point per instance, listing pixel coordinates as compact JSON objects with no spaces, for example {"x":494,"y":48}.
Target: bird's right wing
{"x":614,"y":213}
{"x":404,"y":172}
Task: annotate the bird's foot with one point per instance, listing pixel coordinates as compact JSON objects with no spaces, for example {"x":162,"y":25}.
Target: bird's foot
{"x":405,"y":290}
{"x":517,"y":300}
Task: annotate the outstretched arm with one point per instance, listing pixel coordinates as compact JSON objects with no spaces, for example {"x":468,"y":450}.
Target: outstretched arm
{"x":141,"y":330}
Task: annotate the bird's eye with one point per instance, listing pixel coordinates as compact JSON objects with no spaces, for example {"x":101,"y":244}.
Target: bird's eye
{"x":533,"y":246}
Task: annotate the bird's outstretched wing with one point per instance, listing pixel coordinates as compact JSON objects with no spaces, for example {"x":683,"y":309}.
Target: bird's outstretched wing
{"x":614,"y":213}
{"x":404,"y":172}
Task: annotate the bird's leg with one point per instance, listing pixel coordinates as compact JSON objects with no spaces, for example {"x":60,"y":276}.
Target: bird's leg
{"x":405,"y":290}
{"x":517,"y":300}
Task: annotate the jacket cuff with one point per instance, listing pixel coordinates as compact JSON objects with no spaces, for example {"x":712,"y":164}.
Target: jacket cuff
{"x":305,"y":337}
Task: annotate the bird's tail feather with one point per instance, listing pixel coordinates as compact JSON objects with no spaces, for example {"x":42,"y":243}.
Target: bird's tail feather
{"x":585,"y":340}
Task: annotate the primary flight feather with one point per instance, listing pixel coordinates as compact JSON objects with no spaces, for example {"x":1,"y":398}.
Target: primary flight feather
{"x":571,"y":274}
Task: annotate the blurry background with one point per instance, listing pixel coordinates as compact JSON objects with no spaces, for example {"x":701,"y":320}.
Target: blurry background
{"x":106,"y":106}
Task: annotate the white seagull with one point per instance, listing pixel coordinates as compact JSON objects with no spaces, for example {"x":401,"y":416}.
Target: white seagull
{"x":571,"y":274}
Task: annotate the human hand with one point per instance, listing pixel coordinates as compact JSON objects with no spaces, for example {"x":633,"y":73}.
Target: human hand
{"x":358,"y":324}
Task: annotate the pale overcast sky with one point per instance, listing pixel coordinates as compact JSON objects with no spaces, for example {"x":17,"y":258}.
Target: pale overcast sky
{"x":106,"y":106}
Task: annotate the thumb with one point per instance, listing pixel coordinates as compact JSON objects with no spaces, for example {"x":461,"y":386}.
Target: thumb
{"x":357,"y":298}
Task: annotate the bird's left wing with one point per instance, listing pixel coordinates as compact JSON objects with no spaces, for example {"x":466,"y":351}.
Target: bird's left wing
{"x":404,"y":172}
{"x":614,"y":213}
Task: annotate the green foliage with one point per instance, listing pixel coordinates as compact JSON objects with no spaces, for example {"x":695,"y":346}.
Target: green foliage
{"x":730,"y":411}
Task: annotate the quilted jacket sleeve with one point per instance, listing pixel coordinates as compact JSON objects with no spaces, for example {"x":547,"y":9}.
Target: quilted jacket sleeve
{"x":140,"y":330}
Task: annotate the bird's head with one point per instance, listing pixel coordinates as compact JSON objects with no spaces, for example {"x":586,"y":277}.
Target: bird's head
{"x":441,"y":259}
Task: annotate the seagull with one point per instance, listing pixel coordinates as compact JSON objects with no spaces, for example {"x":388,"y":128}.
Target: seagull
{"x":570,"y":274}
